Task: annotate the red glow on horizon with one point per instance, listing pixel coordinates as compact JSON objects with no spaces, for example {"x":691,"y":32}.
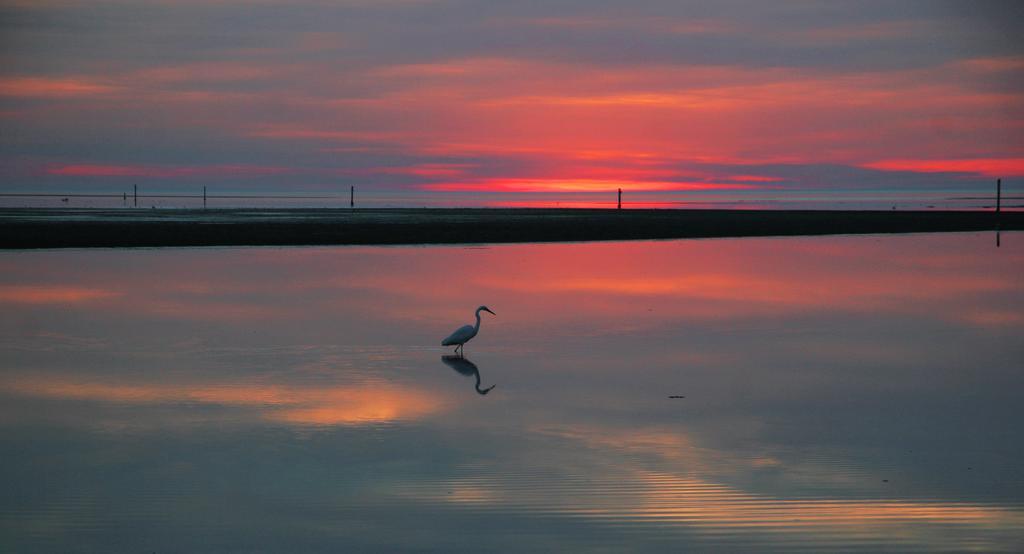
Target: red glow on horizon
{"x":504,"y":122}
{"x":581,"y":185}
{"x":626,"y":204}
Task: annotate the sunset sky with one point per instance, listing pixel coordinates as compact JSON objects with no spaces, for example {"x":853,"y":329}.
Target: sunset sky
{"x":312,"y":96}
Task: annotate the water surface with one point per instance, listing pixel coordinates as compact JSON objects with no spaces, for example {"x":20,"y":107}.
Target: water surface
{"x":856,"y":393}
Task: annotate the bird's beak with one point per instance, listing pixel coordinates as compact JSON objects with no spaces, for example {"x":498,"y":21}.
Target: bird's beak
{"x":489,"y":311}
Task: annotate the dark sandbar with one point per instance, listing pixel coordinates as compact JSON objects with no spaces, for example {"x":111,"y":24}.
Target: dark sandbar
{"x":77,"y":228}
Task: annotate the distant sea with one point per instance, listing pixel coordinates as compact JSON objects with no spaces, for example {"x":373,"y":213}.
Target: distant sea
{"x":810,"y":200}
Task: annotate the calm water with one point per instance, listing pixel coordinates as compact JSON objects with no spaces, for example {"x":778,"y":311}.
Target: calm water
{"x":835,"y":393}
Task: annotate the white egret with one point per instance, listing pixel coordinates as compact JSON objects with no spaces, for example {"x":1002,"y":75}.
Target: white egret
{"x":462,"y":335}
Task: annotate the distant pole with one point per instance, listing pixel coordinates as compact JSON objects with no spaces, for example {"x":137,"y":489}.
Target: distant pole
{"x":999,"y":200}
{"x":620,"y":200}
{"x":204,"y":197}
{"x":999,"y":194}
{"x":136,"y":195}
{"x":352,"y":196}
{"x":124,"y":199}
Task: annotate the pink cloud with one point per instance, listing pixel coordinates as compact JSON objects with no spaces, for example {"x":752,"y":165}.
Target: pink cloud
{"x":207,"y":72}
{"x":990,"y":167}
{"x":568,"y":123}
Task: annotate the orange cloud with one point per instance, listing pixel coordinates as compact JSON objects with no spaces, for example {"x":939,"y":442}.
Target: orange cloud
{"x":561,"y":113}
{"x":207,"y":72}
{"x":864,"y":31}
{"x":311,"y":133}
{"x":30,"y":294}
{"x":993,"y":64}
{"x":42,"y":87}
{"x":698,"y":113}
{"x":552,"y":113}
{"x":755,"y":178}
{"x":475,"y":66}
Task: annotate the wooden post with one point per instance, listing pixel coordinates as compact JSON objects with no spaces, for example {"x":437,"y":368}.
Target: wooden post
{"x":136,"y":194}
{"x":620,"y":200}
{"x":204,"y":197}
{"x":999,"y":194}
{"x":124,"y":199}
{"x":999,"y":201}
{"x":352,"y":196}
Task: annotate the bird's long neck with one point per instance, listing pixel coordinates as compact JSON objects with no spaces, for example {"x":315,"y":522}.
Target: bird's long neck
{"x":478,"y":389}
{"x":477,"y":327}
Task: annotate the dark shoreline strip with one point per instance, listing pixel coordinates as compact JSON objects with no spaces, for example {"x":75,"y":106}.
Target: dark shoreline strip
{"x":80,"y":228}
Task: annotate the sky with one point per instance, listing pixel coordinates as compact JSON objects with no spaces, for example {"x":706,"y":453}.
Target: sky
{"x":314,"y":96}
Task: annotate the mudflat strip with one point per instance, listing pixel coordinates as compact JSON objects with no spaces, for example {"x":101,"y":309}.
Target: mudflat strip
{"x":82,"y":228}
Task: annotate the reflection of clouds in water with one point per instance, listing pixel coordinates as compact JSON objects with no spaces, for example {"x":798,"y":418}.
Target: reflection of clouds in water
{"x":624,"y":492}
{"x":53,"y":294}
{"x":549,"y":285}
{"x":810,"y":365}
{"x":696,"y":505}
{"x":993,"y":318}
{"x":729,"y":295}
{"x":330,"y":405}
{"x":46,"y":341}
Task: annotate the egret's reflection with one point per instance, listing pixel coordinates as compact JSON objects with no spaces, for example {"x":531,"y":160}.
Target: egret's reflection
{"x":465,"y":367}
